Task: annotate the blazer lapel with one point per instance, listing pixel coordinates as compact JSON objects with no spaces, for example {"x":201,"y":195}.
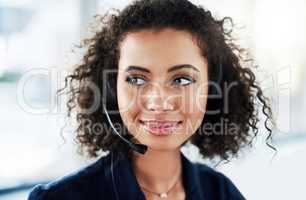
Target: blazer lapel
{"x":191,"y":180}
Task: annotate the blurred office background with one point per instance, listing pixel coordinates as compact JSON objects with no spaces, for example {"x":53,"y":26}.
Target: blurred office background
{"x":37,"y":37}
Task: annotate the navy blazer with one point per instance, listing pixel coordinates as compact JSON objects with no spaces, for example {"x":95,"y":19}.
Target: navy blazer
{"x":97,"y":182}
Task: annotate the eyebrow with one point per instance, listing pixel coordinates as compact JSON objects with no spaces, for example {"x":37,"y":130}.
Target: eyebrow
{"x":173,"y":68}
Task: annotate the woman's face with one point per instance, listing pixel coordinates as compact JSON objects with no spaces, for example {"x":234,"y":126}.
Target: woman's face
{"x":161,"y":87}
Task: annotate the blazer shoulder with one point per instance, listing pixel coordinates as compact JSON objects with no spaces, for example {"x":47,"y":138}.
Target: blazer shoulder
{"x":217,"y":182}
{"x":39,"y":192}
{"x":69,"y":185}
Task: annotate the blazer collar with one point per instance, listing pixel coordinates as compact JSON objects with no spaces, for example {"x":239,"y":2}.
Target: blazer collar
{"x":125,"y":185}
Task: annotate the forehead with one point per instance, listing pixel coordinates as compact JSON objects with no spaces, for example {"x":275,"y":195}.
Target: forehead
{"x":164,"y":47}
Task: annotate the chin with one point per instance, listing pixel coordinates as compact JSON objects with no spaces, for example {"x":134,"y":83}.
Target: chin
{"x":162,"y":144}
{"x":162,"y":148}
{"x":169,"y":142}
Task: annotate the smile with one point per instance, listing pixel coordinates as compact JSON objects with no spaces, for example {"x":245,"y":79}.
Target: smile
{"x":160,"y":127}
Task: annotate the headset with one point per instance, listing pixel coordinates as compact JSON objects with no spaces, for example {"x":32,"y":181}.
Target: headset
{"x":140,"y":148}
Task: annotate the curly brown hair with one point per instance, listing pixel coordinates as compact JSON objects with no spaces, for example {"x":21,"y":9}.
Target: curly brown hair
{"x":226,"y":62}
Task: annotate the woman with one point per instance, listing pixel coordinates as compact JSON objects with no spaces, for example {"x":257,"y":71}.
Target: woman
{"x":180,"y":78}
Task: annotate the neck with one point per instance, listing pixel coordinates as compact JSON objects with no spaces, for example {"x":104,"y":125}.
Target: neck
{"x":157,"y":170}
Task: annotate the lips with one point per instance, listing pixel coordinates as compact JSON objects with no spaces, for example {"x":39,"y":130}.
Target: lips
{"x":160,"y":127}
{"x":160,"y":124}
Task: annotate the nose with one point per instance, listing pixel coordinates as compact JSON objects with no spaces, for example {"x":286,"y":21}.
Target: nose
{"x":158,"y":99}
{"x":159,"y":107}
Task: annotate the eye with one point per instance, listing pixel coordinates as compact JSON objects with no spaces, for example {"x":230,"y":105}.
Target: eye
{"x":135,"y":80}
{"x":183,"y":81}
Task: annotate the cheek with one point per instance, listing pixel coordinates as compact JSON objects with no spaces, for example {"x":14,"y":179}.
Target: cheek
{"x":194,"y":101}
{"x":124,"y":95}
{"x":126,"y":103}
{"x":194,"y":107}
